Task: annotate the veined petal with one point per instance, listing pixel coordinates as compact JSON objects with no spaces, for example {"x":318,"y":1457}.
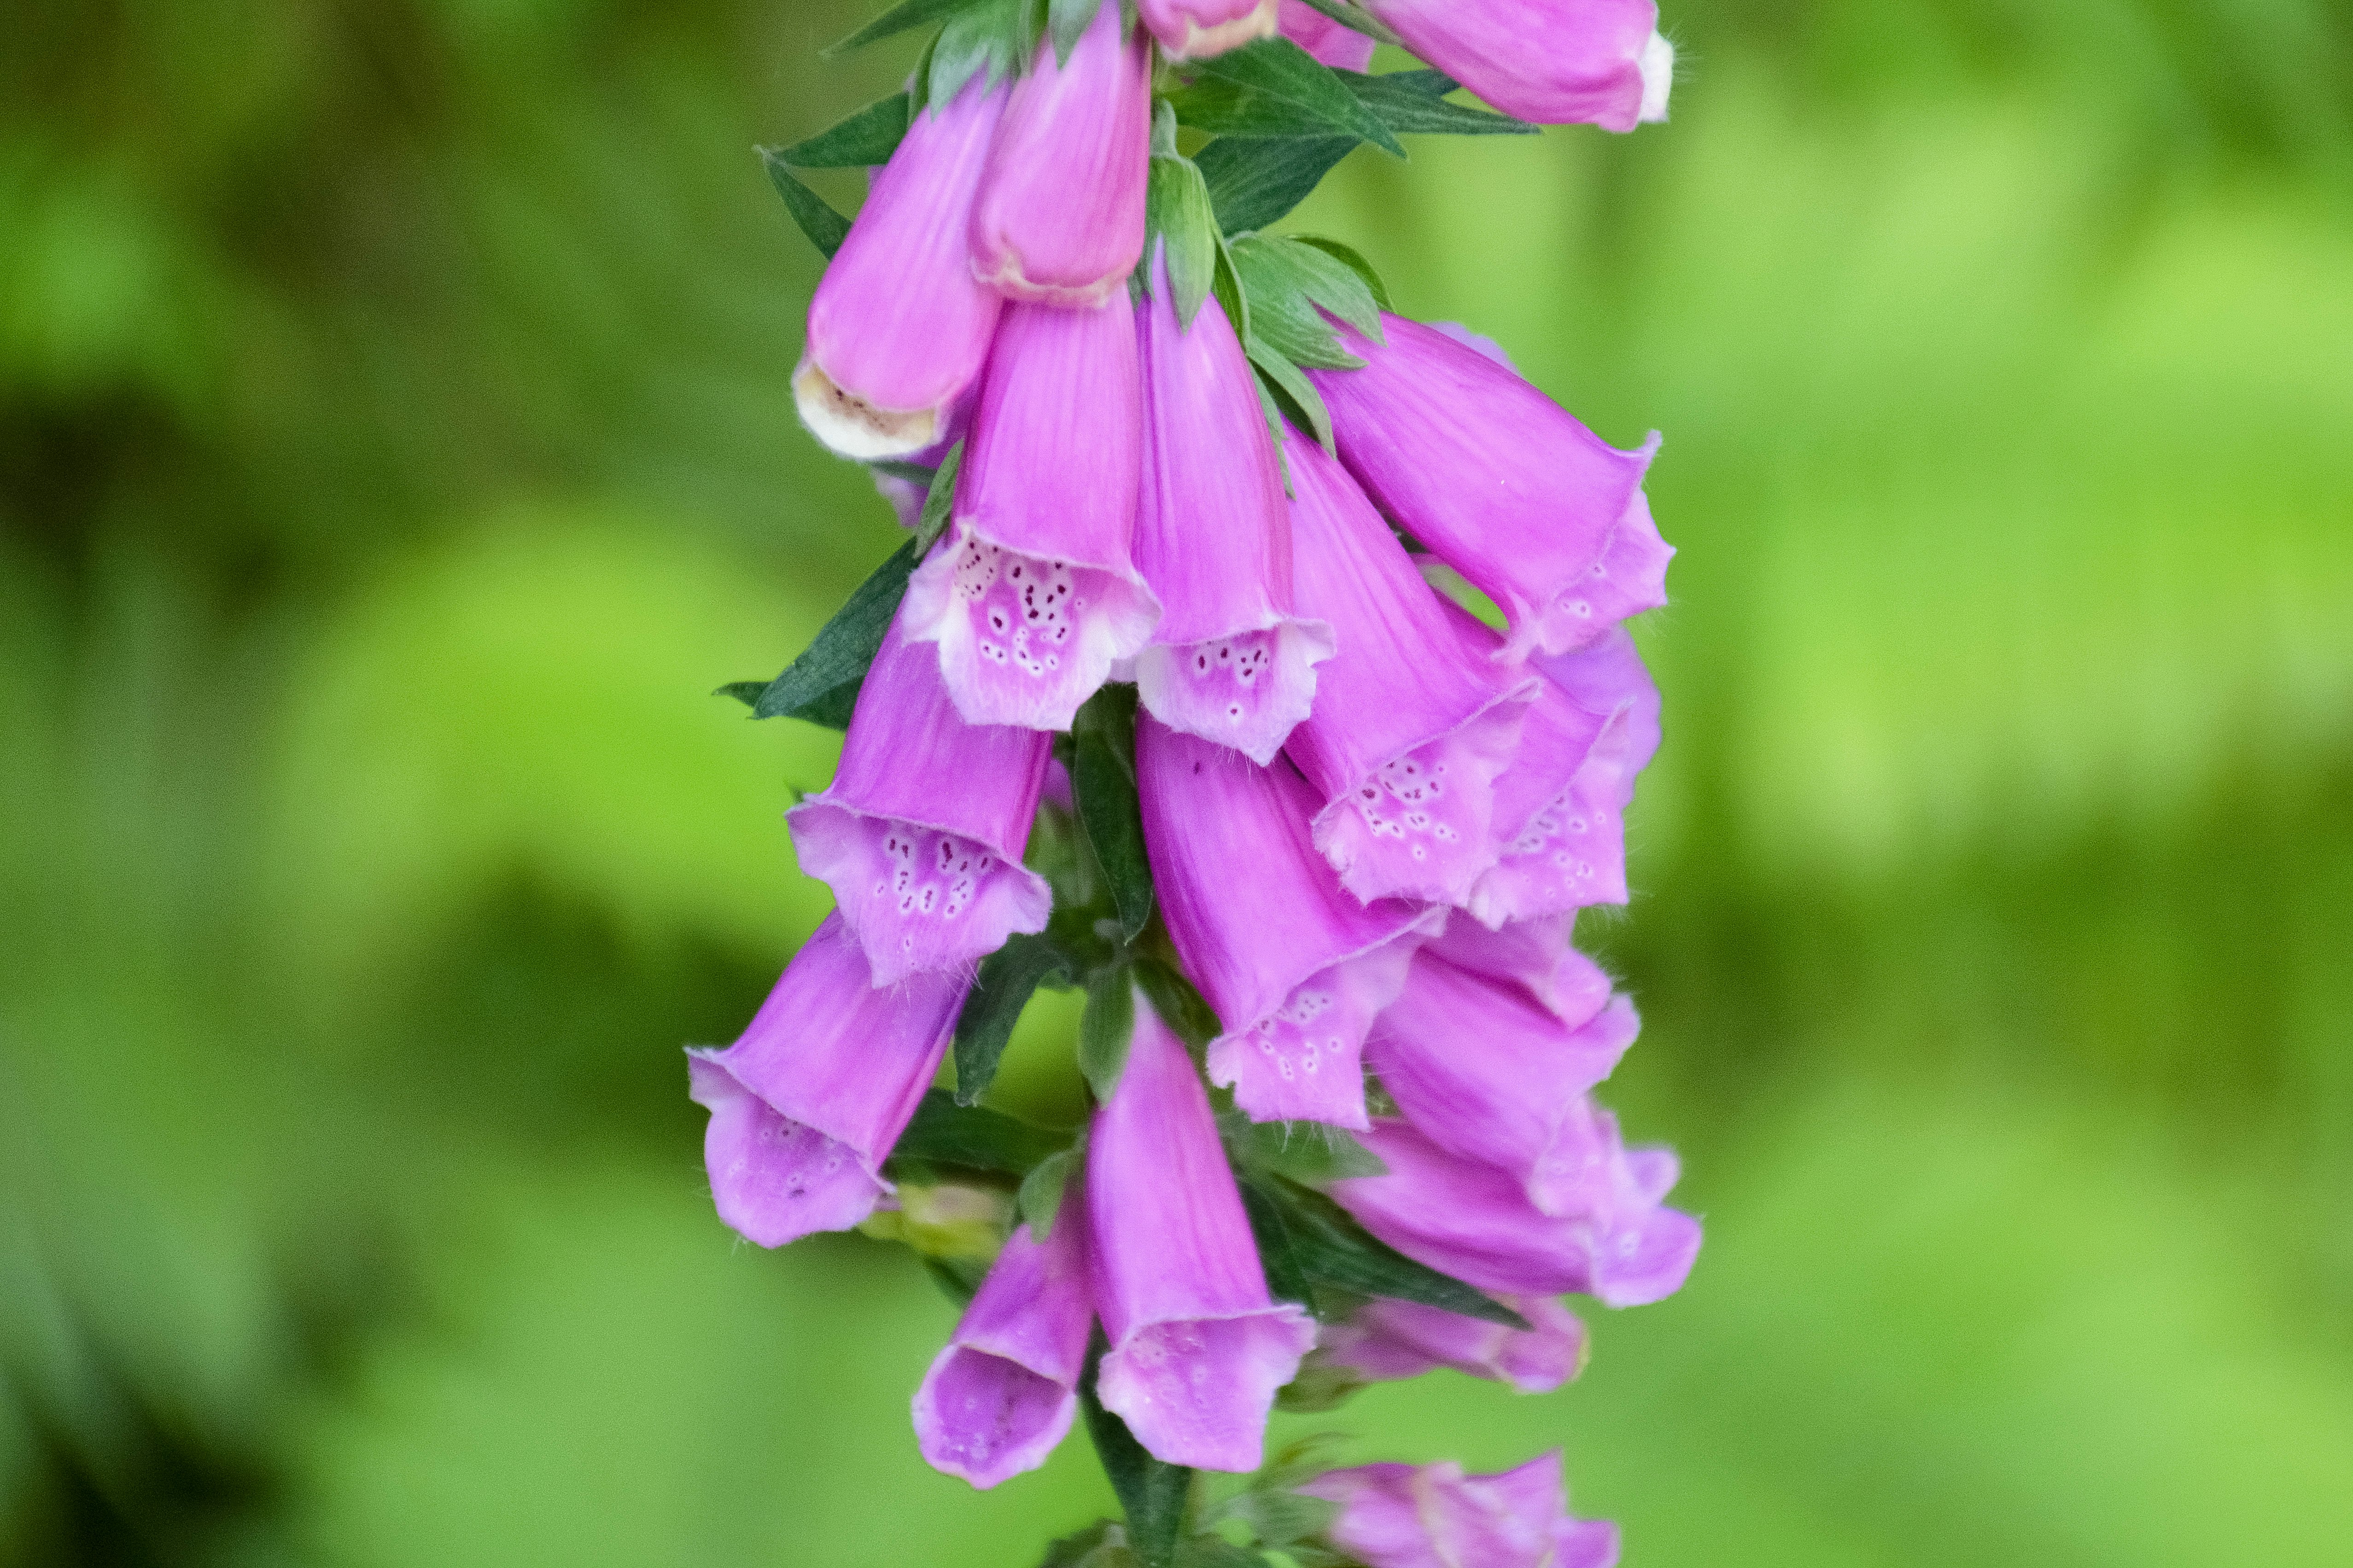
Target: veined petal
{"x":1197,"y":1346}
{"x":1555,"y":62}
{"x":1499,"y":482}
{"x":807,"y":1105}
{"x":1593,"y":728}
{"x":1002,"y":1394}
{"x":1341,"y":48}
{"x":1197,"y":30}
{"x":921,"y":834}
{"x":1409,"y":729}
{"x":1295,"y":965}
{"x":1229,"y":661}
{"x":900,"y":327}
{"x":1033,"y":595}
{"x":1486,"y":1073}
{"x":1059,"y":215}
{"x":1388,"y":1341}
{"x":1535,"y":956}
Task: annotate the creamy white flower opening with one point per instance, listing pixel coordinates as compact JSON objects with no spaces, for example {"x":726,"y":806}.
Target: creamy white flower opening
{"x":854,"y":426}
{"x":1657,"y":65}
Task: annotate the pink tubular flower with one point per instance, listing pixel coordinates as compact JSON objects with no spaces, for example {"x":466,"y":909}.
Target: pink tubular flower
{"x":900,"y":327}
{"x":1486,"y":1073}
{"x":1387,"y":1341}
{"x":1533,"y":955}
{"x":1434,"y":1516}
{"x":1198,"y":1347}
{"x":1032,"y":596}
{"x":1197,"y":29}
{"x":1228,"y":661}
{"x":1475,"y":1222}
{"x":1341,"y":48}
{"x":1499,"y":482}
{"x":1409,"y":729}
{"x":807,"y":1105}
{"x":1059,"y":215}
{"x":920,"y":835}
{"x":1556,"y":62}
{"x":1296,"y":968}
{"x":1594,"y":726}
{"x":1002,"y":1394}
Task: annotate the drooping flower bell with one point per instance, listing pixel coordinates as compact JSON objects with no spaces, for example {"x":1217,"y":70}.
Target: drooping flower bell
{"x":1296,"y":967}
{"x":1335,"y":44}
{"x":1487,"y":1074}
{"x":1197,"y":29}
{"x":1593,"y":727}
{"x":900,"y":326}
{"x":1386,"y":1342}
{"x":921,"y":832}
{"x":1033,"y":595}
{"x":1434,"y":1516}
{"x":1475,"y":1222}
{"x":1198,"y":1345}
{"x":1059,"y":214}
{"x":1555,"y":62}
{"x":1002,"y":1394}
{"x":808,"y":1102}
{"x":1409,"y":728}
{"x":1229,"y":660}
{"x":1499,"y":482}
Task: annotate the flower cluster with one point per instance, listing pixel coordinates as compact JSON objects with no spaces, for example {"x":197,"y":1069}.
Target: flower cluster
{"x":1175,"y":695}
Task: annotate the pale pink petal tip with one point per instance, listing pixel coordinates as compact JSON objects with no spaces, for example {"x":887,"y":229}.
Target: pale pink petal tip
{"x":1199,"y":29}
{"x":1658,"y":67}
{"x":1247,"y":691}
{"x":1197,"y":1391}
{"x":1304,"y":1062}
{"x":986,"y":1419}
{"x":1421,"y":825}
{"x":773,"y":1180}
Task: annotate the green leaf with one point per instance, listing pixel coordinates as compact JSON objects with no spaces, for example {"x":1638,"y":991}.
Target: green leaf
{"x":1277,"y":1516}
{"x":904,"y":18}
{"x":1008,"y":978}
{"x":1180,"y":1006}
{"x":826,"y":228}
{"x":939,"y":501}
{"x":972,"y":1138}
{"x":1153,"y":1495}
{"x":1319,"y":1243}
{"x":864,"y":141}
{"x":1314,"y":274}
{"x":1102,"y":1545}
{"x":1223,"y":107}
{"x":983,"y":40}
{"x":1103,"y":780}
{"x":1253,"y":183}
{"x":1040,"y":1197}
{"x":822,"y":684}
{"x":1411,"y":108}
{"x":1066,"y":21}
{"x":1354,"y":260}
{"x":915,"y":473}
{"x":1232,"y":297}
{"x":1308,"y":1152}
{"x":1281,"y":70}
{"x":1181,"y":215}
{"x":1293,"y":393}
{"x":1105,"y":1030}
{"x":1212,"y":1551}
{"x":958,"y":1277}
{"x":747,"y":692}
{"x":1281,"y":282}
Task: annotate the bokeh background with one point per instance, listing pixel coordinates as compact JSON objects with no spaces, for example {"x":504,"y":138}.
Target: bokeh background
{"x":396,"y":448}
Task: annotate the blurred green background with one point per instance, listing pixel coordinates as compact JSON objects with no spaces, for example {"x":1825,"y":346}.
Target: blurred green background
{"x":396,"y":448}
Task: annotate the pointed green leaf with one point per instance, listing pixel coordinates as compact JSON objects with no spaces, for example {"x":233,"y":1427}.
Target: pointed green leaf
{"x":864,"y":141}
{"x":822,"y":684}
{"x":1105,"y":1030}
{"x":1301,"y":404}
{"x":983,"y":40}
{"x":1181,"y":215}
{"x":1153,"y":1495}
{"x":1282,"y":280}
{"x":1066,"y":21}
{"x":824,"y":227}
{"x":1320,"y":1243}
{"x":1354,"y":260}
{"x":1040,"y":1197}
{"x":1008,"y":978}
{"x":958,"y":1277}
{"x":1253,"y":183}
{"x":1180,"y":1006}
{"x":1411,"y":108}
{"x":1329,"y":282}
{"x":747,"y":692}
{"x":939,"y":500}
{"x":1103,"y":780}
{"x":914,"y":473}
{"x":972,"y":1138}
{"x":904,"y":18}
{"x":1222,"y":108}
{"x":1280,"y":69}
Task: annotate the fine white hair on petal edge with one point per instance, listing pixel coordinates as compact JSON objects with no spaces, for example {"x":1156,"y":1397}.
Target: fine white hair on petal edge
{"x":1657,"y":65}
